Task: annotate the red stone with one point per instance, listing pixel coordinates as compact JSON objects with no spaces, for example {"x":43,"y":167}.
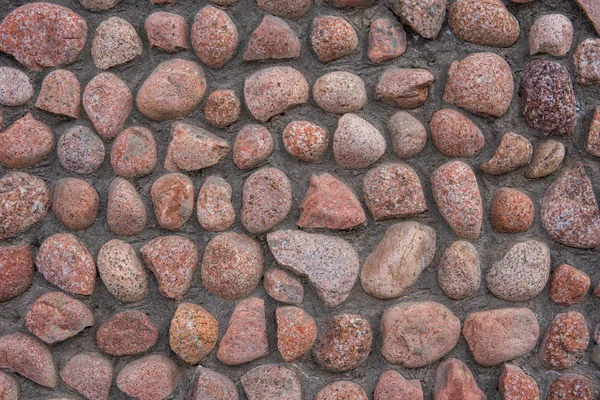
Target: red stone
{"x":565,"y":341}
{"x":551,"y":34}
{"x":593,"y":140}
{"x":25,"y":143}
{"x":75,"y":203}
{"x":332,"y":38}
{"x":9,"y":388}
{"x":167,"y":31}
{"x":90,"y":374}
{"x":173,"y":199}
{"x":387,"y":40}
{"x":108,"y":103}
{"x":15,"y":87}
{"x":16,"y":271}
{"x":511,"y":211}
{"x":60,"y":94}
{"x":454,"y":380}
{"x":585,"y":62}
{"x":126,"y":333}
{"x":283,"y":287}
{"x":305,"y":140}
{"x":272,"y":39}
{"x":214,"y":209}
{"x":150,"y":377}
{"x":514,"y":384}
{"x":393,"y":386}
{"x":592,"y":10}
{"x":192,"y":148}
{"x":571,"y":387}
{"x":513,"y":152}
{"x":568,"y":285}
{"x":296,"y":332}
{"x":125,"y":211}
{"x":253,"y":145}
{"x":222,"y":108}
{"x":133,"y":153}
{"x":193,"y":332}
{"x":29,"y":357}
{"x":455,"y":135}
{"x":214,"y":36}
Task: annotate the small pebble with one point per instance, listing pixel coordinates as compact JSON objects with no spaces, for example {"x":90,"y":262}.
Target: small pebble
{"x":60,"y":94}
{"x":125,"y":211}
{"x":305,"y":140}
{"x":193,"y":333}
{"x":340,"y":92}
{"x":15,"y":87}
{"x":342,"y":390}
{"x":357,"y":143}
{"x":565,"y":341}
{"x":28,"y":357}
{"x":122,"y":271}
{"x":513,"y":152}
{"x":126,"y":333}
{"x":214,"y":209}
{"x":108,"y":102}
{"x":75,"y":203}
{"x":586,"y":65}
{"x":568,"y":285}
{"x":387,"y":40}
{"x":511,"y":211}
{"x":211,"y":385}
{"x":80,"y":150}
{"x":455,"y":135}
{"x":166,"y":31}
{"x":150,"y":377}
{"x":222,"y":108}
{"x":296,"y":332}
{"x":404,"y":87}
{"x":292,"y":9}
{"x":89,"y":374}
{"x":408,"y":134}
{"x":173,"y":200}
{"x":283,"y":287}
{"x":99,"y":5}
{"x":192,"y":148}
{"x":459,"y":270}
{"x":273,"y":39}
{"x":332,"y":38}
{"x":115,"y":42}
{"x":253,"y":145}
{"x":592,"y":11}
{"x":214,"y":36}
{"x":571,"y":386}
{"x":424,"y":17}
{"x":272,"y":381}
{"x":551,"y":34}
{"x":16,"y":271}
{"x":514,"y":384}
{"x":393,"y":386}
{"x":25,"y":143}
{"x":454,"y":380}
{"x":546,"y":159}
{"x":9,"y":387}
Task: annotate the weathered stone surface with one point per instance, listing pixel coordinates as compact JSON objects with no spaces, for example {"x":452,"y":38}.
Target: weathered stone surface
{"x":9,"y":388}
{"x":125,"y":211}
{"x":283,"y":287}
{"x":193,"y":333}
{"x":292,"y":9}
{"x":565,"y":341}
{"x":192,"y":148}
{"x":107,"y":102}
{"x":342,"y":390}
{"x":126,"y":333}
{"x":511,"y":211}
{"x":571,"y":386}
{"x":99,"y":5}
{"x":90,"y":374}
{"x":592,"y":11}
{"x":211,"y":385}
{"x":513,"y":152}
{"x":585,"y":62}
{"x":332,"y":38}
{"x":593,"y":139}
{"x":213,"y":207}
{"x":80,"y":150}
{"x":568,"y":285}
{"x":455,"y":135}
{"x":393,"y":386}
{"x":115,"y":42}
{"x":408,"y":134}
{"x":273,"y":39}
{"x":60,"y":94}
{"x":296,"y":332}
{"x":454,"y":380}
{"x":122,"y":271}
{"x":357,"y":143}
{"x":167,"y":31}
{"x":253,"y":145}
{"x":551,"y":34}
{"x":222,"y":108}
{"x":329,"y":263}
{"x":425,"y":17}
{"x":15,"y":87}
{"x":340,"y":92}
{"x":16,"y":271}
{"x":214,"y":36}
{"x":28,"y":357}
{"x":272,"y":381}
{"x":305,"y":140}
{"x":150,"y":377}
{"x":459,"y":271}
{"x":547,"y":158}
{"x":387,"y":40}
{"x":514,"y":384}
{"x":173,"y":200}
{"x":25,"y":143}
{"x":75,"y":203}
{"x":133,"y":153}
{"x":404,"y":87}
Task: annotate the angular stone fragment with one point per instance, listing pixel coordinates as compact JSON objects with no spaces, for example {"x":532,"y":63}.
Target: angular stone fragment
{"x":571,"y":386}
{"x":387,"y":40}
{"x":330,"y":263}
{"x":108,"y":103}
{"x":192,"y":148}
{"x":514,"y":384}
{"x":213,"y":207}
{"x":25,"y":143}
{"x":193,"y":333}
{"x":513,"y":152}
{"x":416,"y":334}
{"x":404,"y":87}
{"x":546,"y":159}
{"x":115,"y":42}
{"x":586,"y":65}
{"x":408,"y":134}
{"x":75,"y":203}
{"x":211,"y":385}
{"x":80,"y":150}
{"x":393,"y":386}
{"x":272,"y":381}
{"x":296,"y":332}
{"x":511,"y":211}
{"x":425,"y":17}
{"x":16,"y":271}
{"x":551,"y":34}
{"x":568,"y":285}
{"x":167,"y":31}
{"x":342,"y":390}
{"x":126,"y":333}
{"x":459,"y":271}
{"x":222,"y":108}
{"x":283,"y":287}
{"x":28,"y":357}
{"x":150,"y":377}
{"x":332,"y":38}
{"x":15,"y":87}
{"x":292,"y":9}
{"x":122,"y":271}
{"x":9,"y":388}
{"x":90,"y":374}
{"x":173,"y":199}
{"x":454,"y":380}
{"x":305,"y":140}
{"x":357,"y":143}
{"x":340,"y":92}
{"x":455,"y":135}
{"x":253,"y":145}
{"x":565,"y":341}
{"x":214,"y":36}
{"x":273,"y":39}
{"x":125,"y":211}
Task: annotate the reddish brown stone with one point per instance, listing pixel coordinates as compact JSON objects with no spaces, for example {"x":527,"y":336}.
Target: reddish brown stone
{"x":283,"y":287}
{"x":408,"y":134}
{"x":222,"y":108}
{"x":214,"y":209}
{"x":592,"y":11}
{"x":357,"y":143}
{"x":387,"y":40}
{"x":15,"y":87}
{"x":270,"y":382}
{"x":513,"y":152}
{"x":571,"y":387}
{"x":514,"y":384}
{"x":568,"y":285}
{"x":125,"y":211}
{"x":296,"y":332}
{"x":115,"y":42}
{"x":211,"y":385}
{"x":404,"y":87}
{"x":90,"y":374}
{"x":133,"y":152}
{"x":192,"y":148}
{"x":193,"y":333}
{"x":585,"y":62}
{"x":150,"y":377}
{"x":214,"y":36}
{"x":455,"y":135}
{"x":340,"y":92}
{"x":547,"y":158}
{"x":459,"y":270}
{"x":60,"y":94}
{"x":80,"y":150}
{"x":292,"y":9}
{"x":305,"y":140}
{"x":173,"y":199}
{"x":75,"y":203}
{"x":99,"y":5}
{"x":425,"y":17}
{"x":253,"y":145}
{"x":551,"y":34}
{"x":565,"y":341}
{"x":29,"y":357}
{"x":167,"y":31}
{"x":332,"y":38}
{"x":342,"y":390}
{"x":9,"y":388}
{"x":273,"y":39}
{"x":454,"y":380}
{"x":25,"y":143}
{"x":122,"y":271}
{"x":511,"y":211}
{"x":393,"y":386}
{"x":108,"y":103}
{"x":126,"y":333}
{"x":16,"y":271}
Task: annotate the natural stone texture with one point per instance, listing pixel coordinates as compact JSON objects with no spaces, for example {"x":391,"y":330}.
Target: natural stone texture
{"x":329,"y":263}
{"x":454,"y":380}
{"x":425,"y":17}
{"x":28,"y":357}
{"x":270,"y":91}
{"x":416,"y":334}
{"x":305,"y":140}
{"x":273,"y":39}
{"x":65,"y":262}
{"x":455,"y":135}
{"x":192,"y":148}
{"x":253,"y":145}
{"x":568,"y":285}
{"x":511,"y":211}
{"x":296,"y":332}
{"x":272,"y":381}
{"x":107,"y":102}
{"x":593,"y":139}
{"x":481,"y":83}
{"x":211,"y":385}
{"x":357,"y":143}
{"x":133,"y":153}
{"x":222,"y":108}
{"x":565,"y":341}
{"x":75,"y":203}
{"x":393,"y":386}
{"x":332,"y":38}
{"x":546,"y":159}
{"x":292,"y":9}
{"x":126,"y":333}
{"x":232,"y":265}
{"x":387,"y":40}
{"x":329,"y":203}
{"x":514,"y":384}
{"x":459,"y":271}
{"x":214,"y":36}
{"x":150,"y":377}
{"x":404,"y":87}
{"x":25,"y":201}
{"x":342,"y":390}
{"x":60,"y":94}
{"x":214,"y":209}
{"x":408,"y":134}
{"x":55,"y":317}
{"x":125,"y":211}
{"x":25,"y":143}
{"x":173,"y":199}
{"x":9,"y":388}
{"x":115,"y":42}
{"x":571,"y":386}
{"x":166,"y":31}
{"x":193,"y":333}
{"x":283,"y":287}
{"x":80,"y":150}
{"x":407,"y":248}
{"x":15,"y":87}
{"x":548,"y":99}
{"x":344,"y":344}
{"x":16,"y":271}
{"x":266,"y":200}
{"x":172,"y":260}
{"x":90,"y":374}
{"x":173,"y":90}
{"x":585,"y":61}
{"x":569,"y":210}
{"x":122,"y":271}
{"x":551,"y":34}
{"x":340,"y":92}
{"x":43,"y":35}
{"x":457,"y":197}
{"x":513,"y":152}
{"x":522,"y":273}
{"x":592,"y":11}
{"x":246,"y":336}
{"x":99,"y":5}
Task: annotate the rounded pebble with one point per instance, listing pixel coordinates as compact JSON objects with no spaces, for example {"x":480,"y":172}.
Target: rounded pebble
{"x":122,"y":271}
{"x":90,"y":374}
{"x":332,"y":38}
{"x":150,"y":377}
{"x":455,"y":135}
{"x":408,"y":134}
{"x":551,"y":34}
{"x":125,"y":211}
{"x":296,"y":332}
{"x":344,"y":390}
{"x":305,"y":140}
{"x":222,"y":108}
{"x":75,"y":203}
{"x":126,"y":333}
{"x":173,"y":200}
{"x":357,"y":143}
{"x":25,"y":143}
{"x":80,"y":150}
{"x":565,"y":341}
{"x":166,"y":31}
{"x":513,"y":152}
{"x":193,"y":333}
{"x":99,"y":5}
{"x":459,"y":270}
{"x":28,"y":357}
{"x":511,"y":211}
{"x":133,"y":152}
{"x":546,"y":159}
{"x":15,"y":87}
{"x":214,"y":209}
{"x":270,"y":382}
{"x":214,"y":36}
{"x":586,"y":65}
{"x":568,"y":285}
{"x":340,"y":92}
{"x":404,"y":87}
{"x":571,"y":387}
{"x":292,"y":9}
{"x":283,"y":287}
{"x":253,"y":145}
{"x":387,"y":40}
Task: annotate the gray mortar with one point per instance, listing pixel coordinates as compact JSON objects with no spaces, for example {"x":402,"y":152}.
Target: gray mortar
{"x":435,"y":56}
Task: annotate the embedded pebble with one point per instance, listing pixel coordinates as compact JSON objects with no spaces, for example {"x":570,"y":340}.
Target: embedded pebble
{"x":569,"y":210}
{"x":266,"y":200}
{"x":292,"y":9}
{"x":305,"y":140}
{"x":25,"y":201}
{"x":214,"y":36}
{"x":271,"y":91}
{"x":513,"y":152}
{"x":565,"y":341}
{"x":9,"y":388}
{"x":80,"y":150}
{"x":43,"y":35}
{"x":585,"y":62}
{"x":404,"y":87}
{"x":192,"y":148}
{"x":408,"y":134}
{"x":222,"y":108}
{"x":115,"y":42}
{"x":75,"y":203}
{"x":89,"y":374}
{"x":273,"y":39}
{"x":272,"y":381}
{"x":193,"y":333}
{"x":329,"y":263}
{"x":232,"y":265}
{"x":551,"y":34}
{"x":245,"y":339}
{"x":108,"y":102}
{"x":125,"y":211}
{"x":416,"y":334}
{"x":28,"y":357}
{"x":344,"y":390}
{"x":150,"y":377}
{"x":60,"y":94}
{"x":568,"y":285}
{"x":592,"y":11}
{"x":332,"y":38}
{"x":166,"y":31}
{"x":122,"y":271}
{"x":344,"y":344}
{"x":481,"y":83}
{"x":393,"y":386}
{"x":571,"y":386}
{"x":173,"y":90}
{"x":65,"y":262}
{"x":511,"y":211}
{"x":296,"y":332}
{"x":15,"y":87}
{"x":522,"y":273}
{"x":25,"y":143}
{"x":214,"y":209}
{"x":396,"y":263}
{"x":16,"y":271}
{"x":173,"y":200}
{"x":387,"y":40}
{"x":425,"y":17}
{"x":253,"y":145}
{"x":329,"y":203}
{"x":211,"y":385}
{"x":546,"y":159}
{"x":457,"y":197}
{"x":172,"y":260}
{"x":514,"y":384}
{"x":357,"y":143}
{"x":340,"y":92}
{"x":126,"y":333}
{"x":459,"y":270}
{"x":55,"y":317}
{"x":99,"y":5}
{"x":455,"y":135}
{"x":283,"y":287}
{"x":454,"y":380}
{"x":592,"y":145}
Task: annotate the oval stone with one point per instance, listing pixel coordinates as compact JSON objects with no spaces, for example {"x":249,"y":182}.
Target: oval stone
{"x":150,"y":377}
{"x":193,"y":332}
{"x":122,"y":271}
{"x":16,"y":271}
{"x":173,"y":199}
{"x":126,"y":333}
{"x":340,"y":92}
{"x":357,"y":143}
{"x":125,"y":211}
{"x":214,"y":36}
{"x":15,"y":87}
{"x":25,"y":143}
{"x":29,"y":357}
{"x":108,"y":102}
